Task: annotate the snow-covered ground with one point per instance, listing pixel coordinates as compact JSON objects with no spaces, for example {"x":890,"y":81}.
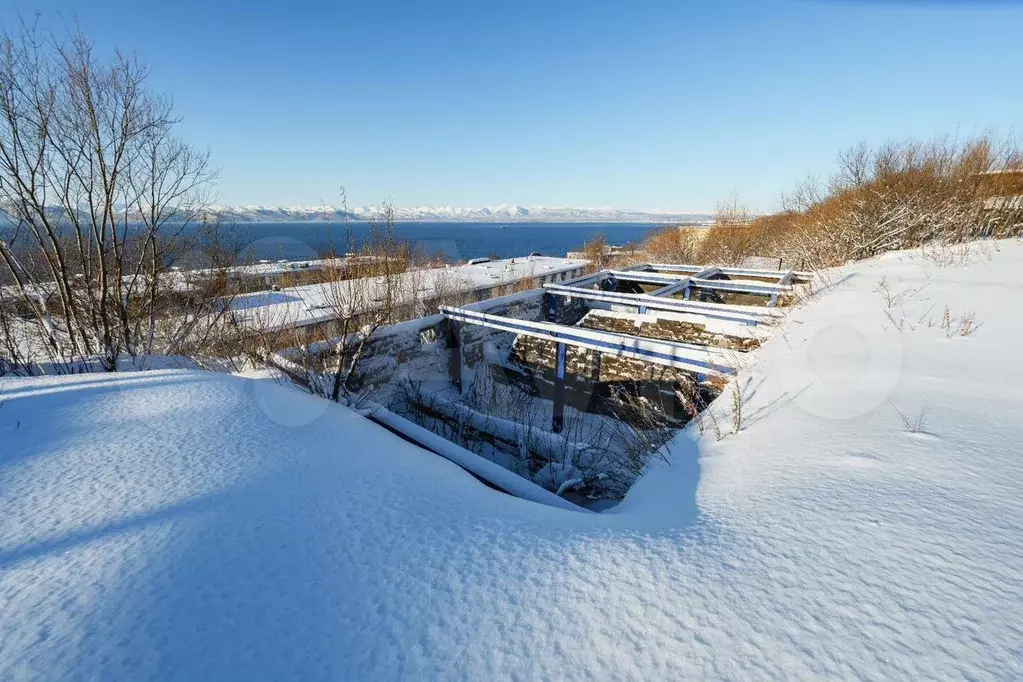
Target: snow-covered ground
{"x":184,"y":525}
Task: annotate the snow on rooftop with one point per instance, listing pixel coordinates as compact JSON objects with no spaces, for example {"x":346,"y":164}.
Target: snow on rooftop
{"x":302,"y":305}
{"x":1008,"y":203}
{"x":183,"y":525}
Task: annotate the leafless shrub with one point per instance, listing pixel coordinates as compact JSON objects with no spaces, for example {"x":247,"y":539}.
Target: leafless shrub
{"x":912,"y":425}
{"x":675,"y":245}
{"x":13,"y":358}
{"x":737,"y":401}
{"x":899,"y":323}
{"x":597,"y":456}
{"x":958,"y":325}
{"x":596,"y":252}
{"x":715,"y":424}
{"x":901,"y":195}
{"x":734,"y":236}
{"x":926,"y":316}
{"x":374,"y":284}
{"x":890,"y":297}
{"x":693,"y":404}
{"x":967,"y":324}
{"x":949,"y":255}
{"x":947,"y":324}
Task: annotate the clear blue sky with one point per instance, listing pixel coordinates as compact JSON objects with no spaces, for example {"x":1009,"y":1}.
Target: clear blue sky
{"x":647,"y":105}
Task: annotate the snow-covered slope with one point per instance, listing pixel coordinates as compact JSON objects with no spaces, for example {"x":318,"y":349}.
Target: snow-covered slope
{"x":502,"y":213}
{"x":180,"y":525}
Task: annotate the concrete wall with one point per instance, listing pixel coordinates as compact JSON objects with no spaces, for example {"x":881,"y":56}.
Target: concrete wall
{"x":419,"y":347}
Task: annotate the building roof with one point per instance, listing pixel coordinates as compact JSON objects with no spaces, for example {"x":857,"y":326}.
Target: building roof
{"x":304,"y":305}
{"x":1013,"y":203}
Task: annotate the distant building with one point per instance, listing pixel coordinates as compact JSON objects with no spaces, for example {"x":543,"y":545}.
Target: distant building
{"x":1000,"y":183}
{"x":1001,"y":190}
{"x":309,"y":306}
{"x":610,"y":251}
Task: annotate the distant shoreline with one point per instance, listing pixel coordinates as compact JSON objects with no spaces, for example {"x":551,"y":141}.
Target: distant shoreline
{"x":498,"y":216}
{"x":414,"y":221}
{"x":459,"y":241}
{"x":363,"y":221}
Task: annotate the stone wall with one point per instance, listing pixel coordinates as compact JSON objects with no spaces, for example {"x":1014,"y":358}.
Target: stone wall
{"x":533,"y":352}
{"x":580,"y":362}
{"x":666,"y":329}
{"x":419,"y":347}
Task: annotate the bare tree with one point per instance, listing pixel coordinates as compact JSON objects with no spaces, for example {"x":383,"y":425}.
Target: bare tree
{"x":12,"y":356}
{"x":674,"y":245}
{"x":98,"y":190}
{"x":374,"y":283}
{"x":596,"y":252}
{"x":733,"y":237}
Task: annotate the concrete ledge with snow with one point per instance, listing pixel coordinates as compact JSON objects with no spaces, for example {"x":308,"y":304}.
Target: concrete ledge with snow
{"x":864,"y":520}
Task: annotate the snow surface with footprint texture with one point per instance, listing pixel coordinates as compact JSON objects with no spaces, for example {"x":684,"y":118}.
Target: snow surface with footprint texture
{"x":865,"y":522}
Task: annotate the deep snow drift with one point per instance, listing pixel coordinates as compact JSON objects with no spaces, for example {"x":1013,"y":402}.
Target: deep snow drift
{"x":186,"y":525}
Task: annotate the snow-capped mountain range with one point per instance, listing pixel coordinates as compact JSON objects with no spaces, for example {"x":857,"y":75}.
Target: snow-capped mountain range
{"x":502,"y":213}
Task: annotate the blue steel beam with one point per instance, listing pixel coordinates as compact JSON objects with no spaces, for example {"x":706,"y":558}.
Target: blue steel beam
{"x":598,"y":277}
{"x":748,"y":315}
{"x":454,"y":344}
{"x":685,"y":356}
{"x":717,"y":284}
{"x":558,"y":422}
{"x":739,"y":287}
{"x":586,"y":280}
{"x":645,"y":277}
{"x":671,"y":288}
{"x":797,"y":275}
